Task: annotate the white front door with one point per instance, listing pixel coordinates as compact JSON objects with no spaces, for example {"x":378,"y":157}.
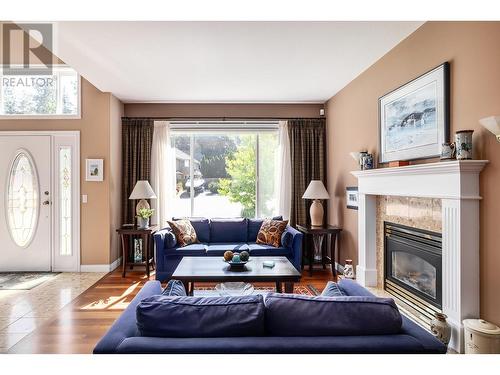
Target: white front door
{"x":25,"y":203}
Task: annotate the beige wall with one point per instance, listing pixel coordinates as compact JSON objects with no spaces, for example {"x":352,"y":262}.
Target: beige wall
{"x":115,"y":160}
{"x":94,"y":143}
{"x":222,"y":110}
{"x":473,"y":50}
{"x":100,"y":138}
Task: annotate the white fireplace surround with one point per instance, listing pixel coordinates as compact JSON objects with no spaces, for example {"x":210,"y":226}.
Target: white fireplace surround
{"x":456,"y":183}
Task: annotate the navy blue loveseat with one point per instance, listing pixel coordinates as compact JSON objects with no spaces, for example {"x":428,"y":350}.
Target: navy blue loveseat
{"x":354,"y":323}
{"x":216,"y":236}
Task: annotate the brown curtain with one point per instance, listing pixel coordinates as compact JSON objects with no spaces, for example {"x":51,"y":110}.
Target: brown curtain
{"x":137,"y":139}
{"x":308,"y":158}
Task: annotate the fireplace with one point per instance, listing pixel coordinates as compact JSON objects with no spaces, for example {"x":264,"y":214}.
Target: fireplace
{"x":413,"y":268}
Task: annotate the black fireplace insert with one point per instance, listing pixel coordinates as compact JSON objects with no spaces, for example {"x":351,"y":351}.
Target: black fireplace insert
{"x":413,"y":263}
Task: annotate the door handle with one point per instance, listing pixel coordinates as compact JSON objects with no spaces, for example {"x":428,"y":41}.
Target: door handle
{"x":46,"y":203}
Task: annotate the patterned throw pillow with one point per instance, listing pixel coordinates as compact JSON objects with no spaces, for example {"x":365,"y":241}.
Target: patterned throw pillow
{"x":270,"y":232}
{"x":184,"y":232}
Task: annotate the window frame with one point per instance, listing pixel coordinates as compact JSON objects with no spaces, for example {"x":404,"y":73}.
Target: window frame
{"x":206,"y":127}
{"x":60,"y":69}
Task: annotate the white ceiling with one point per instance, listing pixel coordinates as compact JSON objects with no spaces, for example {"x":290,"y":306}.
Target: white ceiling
{"x":225,"y":61}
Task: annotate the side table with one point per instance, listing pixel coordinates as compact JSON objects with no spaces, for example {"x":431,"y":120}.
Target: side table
{"x":127,"y":233}
{"x":319,"y":234}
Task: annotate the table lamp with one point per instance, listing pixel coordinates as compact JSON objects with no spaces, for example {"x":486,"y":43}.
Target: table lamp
{"x":316,"y":191}
{"x":142,"y":190}
{"x":492,"y":123}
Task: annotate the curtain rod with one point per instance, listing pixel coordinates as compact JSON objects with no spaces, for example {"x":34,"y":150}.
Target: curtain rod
{"x":222,"y":118}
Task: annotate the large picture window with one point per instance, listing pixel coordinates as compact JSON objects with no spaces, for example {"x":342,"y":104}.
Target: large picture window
{"x":41,"y":96}
{"x":225,"y":171}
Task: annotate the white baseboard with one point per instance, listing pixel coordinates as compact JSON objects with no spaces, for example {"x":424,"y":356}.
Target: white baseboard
{"x":101,"y":267}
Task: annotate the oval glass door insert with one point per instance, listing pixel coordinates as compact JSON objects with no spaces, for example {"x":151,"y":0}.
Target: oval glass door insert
{"x":22,"y":199}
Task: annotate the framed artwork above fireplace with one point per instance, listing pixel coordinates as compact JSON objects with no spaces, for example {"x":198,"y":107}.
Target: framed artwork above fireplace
{"x":414,"y":118}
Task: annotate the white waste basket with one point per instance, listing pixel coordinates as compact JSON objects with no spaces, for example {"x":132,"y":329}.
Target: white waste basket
{"x":481,"y":337}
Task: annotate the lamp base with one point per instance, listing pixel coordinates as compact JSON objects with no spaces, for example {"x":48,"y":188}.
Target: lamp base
{"x":140,"y":205}
{"x":316,"y":212}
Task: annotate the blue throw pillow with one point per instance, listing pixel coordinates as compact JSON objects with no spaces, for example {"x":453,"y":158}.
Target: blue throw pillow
{"x":163,"y":316}
{"x":286,"y":239}
{"x":174,"y":288}
{"x":298,"y":315}
{"x":332,"y":290}
{"x":170,"y":240}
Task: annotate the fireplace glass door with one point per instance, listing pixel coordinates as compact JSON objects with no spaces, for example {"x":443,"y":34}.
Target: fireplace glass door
{"x":415,"y":272}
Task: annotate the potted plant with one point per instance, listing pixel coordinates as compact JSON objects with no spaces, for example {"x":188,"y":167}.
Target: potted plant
{"x":143,"y":217}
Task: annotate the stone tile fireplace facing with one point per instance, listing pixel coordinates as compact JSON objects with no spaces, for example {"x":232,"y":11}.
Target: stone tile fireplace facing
{"x":456,"y":185}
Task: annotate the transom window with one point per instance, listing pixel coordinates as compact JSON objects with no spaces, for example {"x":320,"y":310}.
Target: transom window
{"x":225,"y":170}
{"x":41,"y":96}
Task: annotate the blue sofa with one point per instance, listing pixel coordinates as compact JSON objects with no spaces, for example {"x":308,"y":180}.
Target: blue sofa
{"x":216,"y":236}
{"x":346,"y":326}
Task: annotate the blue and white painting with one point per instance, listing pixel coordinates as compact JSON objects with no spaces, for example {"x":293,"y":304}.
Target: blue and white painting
{"x":411,"y":121}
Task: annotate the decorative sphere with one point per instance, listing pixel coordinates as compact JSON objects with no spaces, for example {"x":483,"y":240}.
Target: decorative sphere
{"x":244,"y":256}
{"x":236,"y":258}
{"x":228,"y":255}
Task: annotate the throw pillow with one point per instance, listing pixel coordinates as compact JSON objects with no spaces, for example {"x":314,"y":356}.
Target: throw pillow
{"x":270,"y":232}
{"x":184,"y":232}
{"x":332,"y":290}
{"x":174,"y":288}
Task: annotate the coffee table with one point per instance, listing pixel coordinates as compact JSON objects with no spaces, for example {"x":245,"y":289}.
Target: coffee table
{"x":214,"y":269}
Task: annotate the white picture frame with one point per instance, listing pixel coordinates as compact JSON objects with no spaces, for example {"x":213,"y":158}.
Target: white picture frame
{"x":94,"y":170}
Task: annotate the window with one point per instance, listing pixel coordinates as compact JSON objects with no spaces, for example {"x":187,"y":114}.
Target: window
{"x":65,"y":200}
{"x":56,"y":95}
{"x":22,"y":199}
{"x":225,"y":170}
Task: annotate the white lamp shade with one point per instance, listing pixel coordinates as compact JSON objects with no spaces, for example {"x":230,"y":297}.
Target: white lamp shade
{"x":491,"y":123}
{"x":142,"y":190}
{"x":316,"y":190}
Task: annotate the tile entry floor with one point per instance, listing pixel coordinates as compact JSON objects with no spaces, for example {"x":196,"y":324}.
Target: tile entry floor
{"x":22,"y":311}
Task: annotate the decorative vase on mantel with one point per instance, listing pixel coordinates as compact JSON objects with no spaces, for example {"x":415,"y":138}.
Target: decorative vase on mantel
{"x":440,"y":328}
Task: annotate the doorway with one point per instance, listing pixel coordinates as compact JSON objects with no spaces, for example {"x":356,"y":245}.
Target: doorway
{"x":39,"y":201}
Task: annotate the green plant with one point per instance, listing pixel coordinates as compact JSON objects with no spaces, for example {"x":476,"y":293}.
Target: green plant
{"x":213,"y":186}
{"x":240,"y":188}
{"x":145,"y":213}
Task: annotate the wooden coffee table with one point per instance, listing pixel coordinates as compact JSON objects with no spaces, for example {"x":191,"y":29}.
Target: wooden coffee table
{"x":214,"y":269}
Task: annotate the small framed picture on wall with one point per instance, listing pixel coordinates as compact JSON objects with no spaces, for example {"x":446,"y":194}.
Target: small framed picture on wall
{"x":94,"y":169}
{"x":351,"y":193}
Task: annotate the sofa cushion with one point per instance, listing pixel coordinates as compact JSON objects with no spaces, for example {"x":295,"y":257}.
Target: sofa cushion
{"x":352,"y":288}
{"x":170,"y":240}
{"x":228,"y":230}
{"x":297,"y":315}
{"x":174,"y":288}
{"x":270,"y":232}
{"x":332,"y":290}
{"x":215,"y":249}
{"x":201,"y":226}
{"x":193,"y":249}
{"x":257,"y":249}
{"x":286,"y":239}
{"x":254,"y":227}
{"x":185,"y":233}
{"x":163,"y":316}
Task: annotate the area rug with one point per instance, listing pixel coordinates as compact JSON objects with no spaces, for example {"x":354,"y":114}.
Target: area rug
{"x":24,"y":280}
{"x":306,"y":290}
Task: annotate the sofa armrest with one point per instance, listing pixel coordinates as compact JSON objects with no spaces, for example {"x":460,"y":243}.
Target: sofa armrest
{"x":296,"y":247}
{"x":125,"y":326}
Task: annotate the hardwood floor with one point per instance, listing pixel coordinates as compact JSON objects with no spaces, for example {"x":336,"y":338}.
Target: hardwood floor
{"x":78,"y":326}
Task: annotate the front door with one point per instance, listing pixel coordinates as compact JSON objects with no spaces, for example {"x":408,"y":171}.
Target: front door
{"x":25,"y":203}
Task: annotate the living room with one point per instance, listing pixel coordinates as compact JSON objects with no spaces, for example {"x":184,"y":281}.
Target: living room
{"x":246,"y":185}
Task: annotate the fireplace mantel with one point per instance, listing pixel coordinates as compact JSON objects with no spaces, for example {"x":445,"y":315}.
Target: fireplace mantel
{"x":456,"y":183}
